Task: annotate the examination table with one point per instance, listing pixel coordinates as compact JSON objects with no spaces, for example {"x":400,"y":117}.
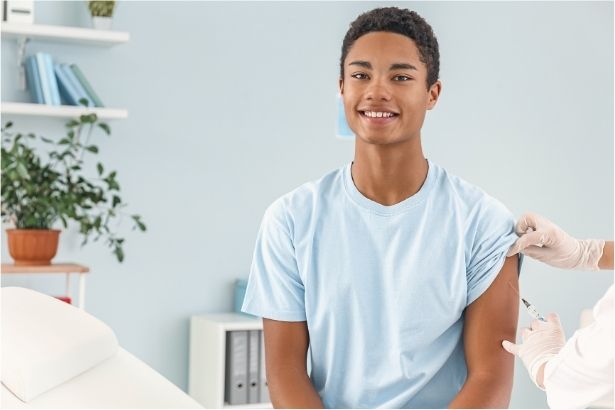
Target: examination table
{"x":57,"y":356}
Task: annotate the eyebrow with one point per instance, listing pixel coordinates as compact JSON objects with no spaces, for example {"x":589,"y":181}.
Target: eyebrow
{"x":395,"y":66}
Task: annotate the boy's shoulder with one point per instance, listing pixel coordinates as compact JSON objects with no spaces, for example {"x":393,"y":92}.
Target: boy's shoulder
{"x":305,"y":195}
{"x":470,"y":195}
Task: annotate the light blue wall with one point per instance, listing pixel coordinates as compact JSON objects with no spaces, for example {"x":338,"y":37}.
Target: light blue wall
{"x":233,"y":104}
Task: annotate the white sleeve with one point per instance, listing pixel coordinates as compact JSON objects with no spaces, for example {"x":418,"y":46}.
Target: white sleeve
{"x":582,"y":373}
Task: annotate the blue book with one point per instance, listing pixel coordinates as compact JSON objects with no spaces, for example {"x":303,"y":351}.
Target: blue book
{"x":69,"y":95}
{"x":53,"y":84}
{"x":76,"y":84}
{"x":86,"y":85}
{"x":34,"y":81}
{"x":43,"y":76}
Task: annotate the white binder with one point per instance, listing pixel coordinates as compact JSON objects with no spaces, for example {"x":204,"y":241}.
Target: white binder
{"x":254,"y":344}
{"x":236,"y":377}
{"x":264,"y":387}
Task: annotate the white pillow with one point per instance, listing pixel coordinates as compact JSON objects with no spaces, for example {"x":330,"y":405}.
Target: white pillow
{"x":46,"y":342}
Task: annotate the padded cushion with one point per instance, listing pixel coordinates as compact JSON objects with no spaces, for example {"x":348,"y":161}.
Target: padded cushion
{"x":46,"y":342}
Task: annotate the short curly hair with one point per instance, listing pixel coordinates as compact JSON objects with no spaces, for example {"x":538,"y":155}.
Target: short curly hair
{"x":400,"y":21}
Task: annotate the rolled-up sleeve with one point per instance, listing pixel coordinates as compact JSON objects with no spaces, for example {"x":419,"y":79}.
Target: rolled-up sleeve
{"x":490,"y":235}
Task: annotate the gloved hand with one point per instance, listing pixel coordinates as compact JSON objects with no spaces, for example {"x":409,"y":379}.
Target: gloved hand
{"x":541,"y":342}
{"x":541,"y":239}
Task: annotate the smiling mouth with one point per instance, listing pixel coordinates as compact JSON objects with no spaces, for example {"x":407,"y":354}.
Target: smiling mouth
{"x":383,"y":115}
{"x":378,"y":118}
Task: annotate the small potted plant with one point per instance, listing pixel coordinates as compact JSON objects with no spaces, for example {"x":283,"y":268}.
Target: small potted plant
{"x":102,"y":13}
{"x":38,"y":192}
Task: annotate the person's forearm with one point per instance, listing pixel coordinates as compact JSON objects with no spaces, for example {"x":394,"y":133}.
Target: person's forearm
{"x":606,"y":261}
{"x":484,"y":391}
{"x":290,"y":388}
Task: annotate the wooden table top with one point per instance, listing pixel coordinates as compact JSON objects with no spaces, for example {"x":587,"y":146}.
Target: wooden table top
{"x":53,"y":268}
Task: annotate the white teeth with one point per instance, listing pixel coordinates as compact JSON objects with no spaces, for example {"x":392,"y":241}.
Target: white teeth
{"x":376,"y":114}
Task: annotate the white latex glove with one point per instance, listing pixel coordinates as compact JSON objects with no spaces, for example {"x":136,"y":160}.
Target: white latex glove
{"x":542,"y":240}
{"x":541,"y":342}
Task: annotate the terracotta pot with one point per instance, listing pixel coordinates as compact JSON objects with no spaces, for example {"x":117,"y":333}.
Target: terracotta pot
{"x":33,"y":246}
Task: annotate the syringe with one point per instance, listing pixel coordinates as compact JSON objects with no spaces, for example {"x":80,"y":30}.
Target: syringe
{"x":528,"y":306}
{"x":532,"y":310}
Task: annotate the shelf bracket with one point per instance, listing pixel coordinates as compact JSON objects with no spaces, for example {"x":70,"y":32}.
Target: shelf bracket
{"x":21,"y":61}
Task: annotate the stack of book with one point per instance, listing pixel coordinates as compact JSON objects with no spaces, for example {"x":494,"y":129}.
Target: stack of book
{"x":58,"y":84}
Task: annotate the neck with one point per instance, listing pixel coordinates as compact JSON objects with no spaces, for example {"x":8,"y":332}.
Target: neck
{"x":388,"y":174}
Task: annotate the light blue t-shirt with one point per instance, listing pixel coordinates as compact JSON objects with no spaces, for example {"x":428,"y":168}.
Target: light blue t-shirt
{"x":383,"y":288}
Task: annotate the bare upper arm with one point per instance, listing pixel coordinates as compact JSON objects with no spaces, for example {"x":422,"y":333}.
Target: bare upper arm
{"x":490,"y":319}
{"x":286,"y":346}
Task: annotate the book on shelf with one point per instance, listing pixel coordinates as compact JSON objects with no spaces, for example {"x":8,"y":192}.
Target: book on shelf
{"x":76,"y":85}
{"x":33,"y":80}
{"x":58,"y":83}
{"x":53,"y":82}
{"x":46,"y":78}
{"x":86,"y":85}
{"x":45,"y":87}
{"x":69,"y":94}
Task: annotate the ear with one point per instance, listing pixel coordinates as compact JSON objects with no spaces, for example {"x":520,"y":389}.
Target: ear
{"x":341,"y":86}
{"x":434,"y":94}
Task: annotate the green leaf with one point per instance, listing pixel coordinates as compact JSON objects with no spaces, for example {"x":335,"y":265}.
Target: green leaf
{"x":47,"y":140}
{"x":105,"y":127}
{"x":22,"y":171}
{"x":92,"y":149}
{"x":119,"y":252}
{"x":64,"y":141}
{"x":84,"y":102}
{"x":100,"y":168}
{"x":140,"y":224}
{"x":88,"y":118}
{"x":116,"y":200}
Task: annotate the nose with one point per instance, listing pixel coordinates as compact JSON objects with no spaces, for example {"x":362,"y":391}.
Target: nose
{"x":378,"y":90}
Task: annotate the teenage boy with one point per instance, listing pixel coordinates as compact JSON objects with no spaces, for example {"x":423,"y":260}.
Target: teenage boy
{"x":391,"y":270}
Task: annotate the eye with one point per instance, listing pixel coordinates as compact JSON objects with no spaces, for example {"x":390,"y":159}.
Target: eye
{"x":359,"y":76}
{"x":402,"y":77}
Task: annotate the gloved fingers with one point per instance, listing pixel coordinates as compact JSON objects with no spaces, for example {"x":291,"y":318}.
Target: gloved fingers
{"x":533,"y":240}
{"x":510,"y":347}
{"x":537,"y":324}
{"x":528,"y":220}
{"x":539,"y":253}
{"x":514,"y":249}
{"x":525,"y":333}
{"x":553,"y":318}
{"x":536,"y":238}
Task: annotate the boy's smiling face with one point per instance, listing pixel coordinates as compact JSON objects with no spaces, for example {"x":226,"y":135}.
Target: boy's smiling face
{"x":385,"y":88}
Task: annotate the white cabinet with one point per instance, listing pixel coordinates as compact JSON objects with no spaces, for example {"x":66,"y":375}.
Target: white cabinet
{"x":208,"y":356}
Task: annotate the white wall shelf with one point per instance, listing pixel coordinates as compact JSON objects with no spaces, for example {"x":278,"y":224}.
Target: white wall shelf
{"x":60,"y":111}
{"x":208,"y":357}
{"x":79,"y":35}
